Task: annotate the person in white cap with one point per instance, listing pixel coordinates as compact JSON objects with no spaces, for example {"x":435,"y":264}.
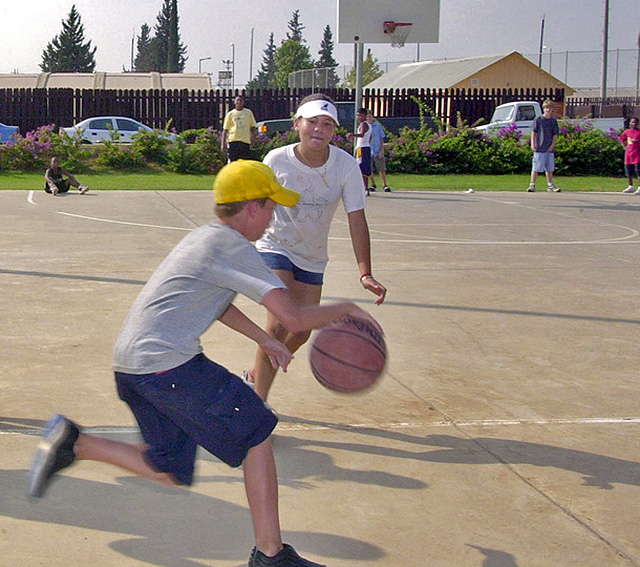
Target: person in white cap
{"x":295,"y":244}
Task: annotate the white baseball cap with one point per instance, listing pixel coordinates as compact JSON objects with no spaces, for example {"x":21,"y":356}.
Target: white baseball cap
{"x":315,"y":108}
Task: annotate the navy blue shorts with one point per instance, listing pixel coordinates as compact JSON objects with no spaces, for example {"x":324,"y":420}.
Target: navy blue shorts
{"x":197,"y":403}
{"x":364,"y":160}
{"x":277,"y":261}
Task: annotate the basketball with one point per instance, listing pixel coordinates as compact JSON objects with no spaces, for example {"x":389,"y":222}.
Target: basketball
{"x":348,"y":356}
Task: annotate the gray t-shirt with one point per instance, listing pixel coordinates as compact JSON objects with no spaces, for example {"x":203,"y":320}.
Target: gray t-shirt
{"x":191,"y":288}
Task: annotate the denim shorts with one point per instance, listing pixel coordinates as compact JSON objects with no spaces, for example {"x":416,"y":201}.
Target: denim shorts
{"x":277,"y":261}
{"x":543,"y":161}
{"x":197,"y":403}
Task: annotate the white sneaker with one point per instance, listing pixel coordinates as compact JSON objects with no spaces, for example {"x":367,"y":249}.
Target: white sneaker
{"x":531,"y":188}
{"x":83,"y":189}
{"x":553,"y":188}
{"x":637,"y":192}
{"x":630,"y":189}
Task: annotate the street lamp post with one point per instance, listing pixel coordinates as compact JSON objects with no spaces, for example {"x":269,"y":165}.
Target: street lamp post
{"x":200,"y":63}
{"x":233,"y":66}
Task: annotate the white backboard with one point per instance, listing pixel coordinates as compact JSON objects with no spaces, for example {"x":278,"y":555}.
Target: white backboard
{"x":362,"y":21}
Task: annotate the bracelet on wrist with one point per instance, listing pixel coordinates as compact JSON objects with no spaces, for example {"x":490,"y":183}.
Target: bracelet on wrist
{"x":366,"y":277}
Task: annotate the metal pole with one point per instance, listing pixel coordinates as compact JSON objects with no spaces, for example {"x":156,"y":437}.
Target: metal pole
{"x":541,"y":41}
{"x":605,"y":48}
{"x":251,"y":56}
{"x":358,"y":63}
{"x":233,"y":66}
{"x":638,"y":72}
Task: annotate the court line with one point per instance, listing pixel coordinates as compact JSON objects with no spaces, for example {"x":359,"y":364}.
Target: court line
{"x":284,"y":426}
{"x":128,"y":223}
{"x":620,"y":240}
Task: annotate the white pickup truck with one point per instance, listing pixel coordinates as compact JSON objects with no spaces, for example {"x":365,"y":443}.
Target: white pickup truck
{"x":523,"y":113}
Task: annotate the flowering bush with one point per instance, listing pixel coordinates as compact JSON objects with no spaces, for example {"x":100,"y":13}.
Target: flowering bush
{"x":580,"y":150}
{"x":583,"y":150}
{"x":34,"y":151}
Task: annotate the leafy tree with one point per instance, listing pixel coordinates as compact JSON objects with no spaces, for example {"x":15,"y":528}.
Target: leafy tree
{"x":370,"y":72}
{"x":67,"y":52}
{"x":265,"y":78}
{"x":326,"y":74}
{"x":292,"y":55}
{"x":144,"y":61}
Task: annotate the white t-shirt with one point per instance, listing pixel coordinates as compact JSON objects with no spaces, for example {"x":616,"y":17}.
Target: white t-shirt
{"x":301,"y":233}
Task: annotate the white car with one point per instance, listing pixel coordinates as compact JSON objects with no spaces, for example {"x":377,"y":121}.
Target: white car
{"x":100,"y":128}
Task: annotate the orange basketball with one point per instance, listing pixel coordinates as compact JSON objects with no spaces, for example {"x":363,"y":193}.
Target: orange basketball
{"x":348,"y":356}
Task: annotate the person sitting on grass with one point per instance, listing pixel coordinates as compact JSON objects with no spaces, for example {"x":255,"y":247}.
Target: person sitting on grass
{"x":58,"y":180}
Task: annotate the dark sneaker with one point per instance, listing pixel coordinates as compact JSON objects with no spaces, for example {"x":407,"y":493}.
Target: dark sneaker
{"x":54,"y":453}
{"x":286,"y":558}
{"x":387,"y":189}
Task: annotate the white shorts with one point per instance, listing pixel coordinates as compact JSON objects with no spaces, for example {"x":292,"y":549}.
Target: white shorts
{"x":543,"y":161}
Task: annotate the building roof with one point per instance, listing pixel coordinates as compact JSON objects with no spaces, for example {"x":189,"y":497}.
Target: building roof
{"x":116,"y":81}
{"x":449,"y":73}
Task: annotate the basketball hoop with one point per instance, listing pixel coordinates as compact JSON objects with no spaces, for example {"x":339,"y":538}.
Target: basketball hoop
{"x":398,"y":31}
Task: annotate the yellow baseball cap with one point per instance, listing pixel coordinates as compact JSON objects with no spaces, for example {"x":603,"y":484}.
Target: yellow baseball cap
{"x":245,"y":180}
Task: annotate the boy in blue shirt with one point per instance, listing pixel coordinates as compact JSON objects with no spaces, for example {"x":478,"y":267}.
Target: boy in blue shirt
{"x":543,"y":143}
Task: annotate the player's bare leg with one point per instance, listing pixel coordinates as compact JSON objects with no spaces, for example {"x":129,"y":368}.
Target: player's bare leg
{"x":302,"y":294}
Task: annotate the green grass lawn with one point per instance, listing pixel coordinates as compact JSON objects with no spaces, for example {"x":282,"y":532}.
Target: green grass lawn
{"x":175,"y":181}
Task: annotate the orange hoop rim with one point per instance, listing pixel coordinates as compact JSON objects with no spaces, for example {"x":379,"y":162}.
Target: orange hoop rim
{"x":390,"y":27}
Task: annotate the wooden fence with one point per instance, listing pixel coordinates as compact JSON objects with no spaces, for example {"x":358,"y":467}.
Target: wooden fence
{"x":30,"y":108}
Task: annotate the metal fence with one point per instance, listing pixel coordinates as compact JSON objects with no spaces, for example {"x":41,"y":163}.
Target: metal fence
{"x":578,"y":69}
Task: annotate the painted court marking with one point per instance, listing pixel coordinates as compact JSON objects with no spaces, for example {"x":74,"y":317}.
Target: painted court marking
{"x":403,"y":239}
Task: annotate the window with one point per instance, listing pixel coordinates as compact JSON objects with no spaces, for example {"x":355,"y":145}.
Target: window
{"x":101,"y":124}
{"x":526,"y":113}
{"x":127,"y":125}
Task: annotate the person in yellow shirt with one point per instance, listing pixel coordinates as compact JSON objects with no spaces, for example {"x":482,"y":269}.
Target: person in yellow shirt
{"x":238,"y":131}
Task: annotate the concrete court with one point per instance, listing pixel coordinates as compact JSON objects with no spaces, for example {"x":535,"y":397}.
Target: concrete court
{"x":505,"y":432}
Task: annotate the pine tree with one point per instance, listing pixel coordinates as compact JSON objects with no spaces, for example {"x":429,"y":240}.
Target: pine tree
{"x":265,"y":79}
{"x":292,"y":55}
{"x":295,"y":27}
{"x":326,"y":76}
{"x":370,"y":72}
{"x":67,"y":52}
{"x":144,"y":63}
{"x":163,"y":52}
{"x":173,"y":40}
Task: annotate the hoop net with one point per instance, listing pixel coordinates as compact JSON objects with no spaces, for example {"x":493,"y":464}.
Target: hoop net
{"x":398,"y":32}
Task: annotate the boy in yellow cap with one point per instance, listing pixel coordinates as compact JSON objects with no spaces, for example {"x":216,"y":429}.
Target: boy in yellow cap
{"x":179,"y":397}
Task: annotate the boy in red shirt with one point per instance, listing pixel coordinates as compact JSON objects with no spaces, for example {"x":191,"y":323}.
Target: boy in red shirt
{"x":630,"y":139}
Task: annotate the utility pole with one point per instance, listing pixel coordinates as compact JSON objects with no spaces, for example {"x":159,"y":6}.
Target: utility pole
{"x":251,"y":56}
{"x":638,"y":73}
{"x":541,"y":41}
{"x":605,"y":50}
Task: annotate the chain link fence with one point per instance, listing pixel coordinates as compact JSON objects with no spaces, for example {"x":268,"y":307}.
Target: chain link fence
{"x":578,"y":69}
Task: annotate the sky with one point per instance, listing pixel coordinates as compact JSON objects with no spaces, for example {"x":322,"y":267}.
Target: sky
{"x":208,"y":28}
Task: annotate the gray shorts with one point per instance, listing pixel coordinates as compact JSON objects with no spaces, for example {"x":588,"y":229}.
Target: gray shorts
{"x":379,"y":164}
{"x":543,"y":161}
